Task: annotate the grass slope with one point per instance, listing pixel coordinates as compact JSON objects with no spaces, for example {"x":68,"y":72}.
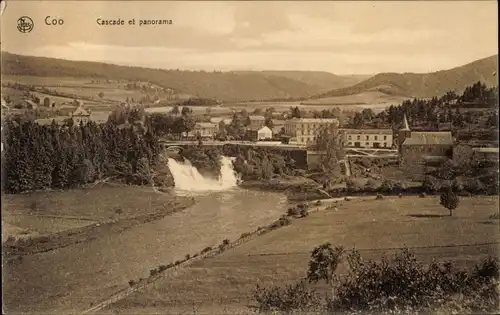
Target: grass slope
{"x":426,"y":84}
{"x":225,"y":283}
{"x":227,"y":86}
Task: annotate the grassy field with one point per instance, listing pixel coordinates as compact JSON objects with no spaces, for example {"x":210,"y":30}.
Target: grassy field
{"x":224,"y":284}
{"x":364,"y":98}
{"x":43,"y":213}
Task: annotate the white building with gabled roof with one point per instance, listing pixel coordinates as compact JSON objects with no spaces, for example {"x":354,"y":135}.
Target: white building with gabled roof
{"x":80,"y":115}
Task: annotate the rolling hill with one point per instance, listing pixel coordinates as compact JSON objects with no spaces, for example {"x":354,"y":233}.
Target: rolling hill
{"x":226,"y":86}
{"x":424,"y":84}
{"x":324,"y":81}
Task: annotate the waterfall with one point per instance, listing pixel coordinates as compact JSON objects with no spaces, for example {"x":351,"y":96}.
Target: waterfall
{"x":187,"y":177}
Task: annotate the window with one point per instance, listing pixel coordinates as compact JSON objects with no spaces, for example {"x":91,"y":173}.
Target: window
{"x":359,"y":137}
{"x":385,"y":137}
{"x":367,"y":137}
{"x":350,"y":138}
{"x":367,"y":144}
{"x":376,"y":138}
{"x":349,"y":144}
{"x":385,"y":144}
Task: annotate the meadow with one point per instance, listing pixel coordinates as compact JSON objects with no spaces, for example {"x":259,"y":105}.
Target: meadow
{"x":47,"y":212}
{"x":225,"y":283}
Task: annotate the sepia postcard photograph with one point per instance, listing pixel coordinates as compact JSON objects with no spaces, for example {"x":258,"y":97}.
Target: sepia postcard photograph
{"x":249,"y":157}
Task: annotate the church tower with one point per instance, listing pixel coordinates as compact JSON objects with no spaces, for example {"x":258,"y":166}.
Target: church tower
{"x":404,"y":132}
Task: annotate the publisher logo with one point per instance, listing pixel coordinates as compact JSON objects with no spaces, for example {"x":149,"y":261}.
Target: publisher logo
{"x":25,"y":24}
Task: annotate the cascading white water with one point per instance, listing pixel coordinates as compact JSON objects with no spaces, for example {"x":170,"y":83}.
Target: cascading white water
{"x":187,"y":177}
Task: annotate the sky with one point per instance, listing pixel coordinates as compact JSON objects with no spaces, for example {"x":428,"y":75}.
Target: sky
{"x":338,"y":37}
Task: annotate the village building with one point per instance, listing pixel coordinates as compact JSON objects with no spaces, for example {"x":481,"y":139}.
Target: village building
{"x":80,"y":115}
{"x":29,"y":104}
{"x":46,"y":102}
{"x":217,"y":120}
{"x":304,"y":130}
{"x":256,"y":122}
{"x":425,"y":146}
{"x":263,"y":133}
{"x":367,"y":138}
{"x":206,"y":130}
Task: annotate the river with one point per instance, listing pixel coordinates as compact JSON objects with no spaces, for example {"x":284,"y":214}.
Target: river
{"x":69,"y":279}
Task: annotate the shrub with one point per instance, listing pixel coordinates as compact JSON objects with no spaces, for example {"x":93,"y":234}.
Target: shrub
{"x":304,"y":212}
{"x":162,"y":268}
{"x":226,"y":242}
{"x":10,"y":240}
{"x":294,"y":297}
{"x":170,"y":265}
{"x":429,"y":185}
{"x":422,"y":195}
{"x":379,"y":197}
{"x":354,"y":185}
{"x":283,"y":221}
{"x":293,"y":211}
{"x":177,"y":262}
{"x":243,"y":235}
{"x":131,"y":283}
{"x":488,"y":270}
{"x":402,"y":284}
{"x":153,"y":272}
{"x":371,"y":185}
{"x":188,"y":256}
{"x":206,"y":249}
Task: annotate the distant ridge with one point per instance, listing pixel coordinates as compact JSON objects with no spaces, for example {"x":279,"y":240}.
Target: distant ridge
{"x":425,"y":84}
{"x":225,"y":86}
{"x":321,"y":79}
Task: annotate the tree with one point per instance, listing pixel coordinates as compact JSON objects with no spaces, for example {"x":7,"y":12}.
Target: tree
{"x":324,"y":262}
{"x":449,"y":200}
{"x":221,"y":132}
{"x":175,"y":110}
{"x":295,"y":112}
{"x":186,"y":111}
{"x":330,"y":140}
{"x":101,"y":94}
{"x":429,"y":185}
{"x":269,"y":123}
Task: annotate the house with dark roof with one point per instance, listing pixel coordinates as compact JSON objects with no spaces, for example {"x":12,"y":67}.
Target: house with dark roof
{"x":422,"y":146}
{"x":206,"y":130}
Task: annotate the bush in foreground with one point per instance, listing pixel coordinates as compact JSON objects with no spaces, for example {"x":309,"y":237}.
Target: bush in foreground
{"x":400,"y":285}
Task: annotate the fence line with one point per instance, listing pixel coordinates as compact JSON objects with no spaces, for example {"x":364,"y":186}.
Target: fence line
{"x":214,"y":252}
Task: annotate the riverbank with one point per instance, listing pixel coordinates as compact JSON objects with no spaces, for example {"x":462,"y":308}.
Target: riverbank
{"x":73,"y":278}
{"x":45,"y":221}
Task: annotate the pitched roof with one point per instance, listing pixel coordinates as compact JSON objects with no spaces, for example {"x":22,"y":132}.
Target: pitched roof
{"x":252,"y":117}
{"x":367,"y":131}
{"x":31,"y":103}
{"x":217,"y":120}
{"x":206,"y":125}
{"x":80,"y":111}
{"x":486,"y":150}
{"x":429,"y":138}
{"x":314,"y":120}
{"x":266,"y":128}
